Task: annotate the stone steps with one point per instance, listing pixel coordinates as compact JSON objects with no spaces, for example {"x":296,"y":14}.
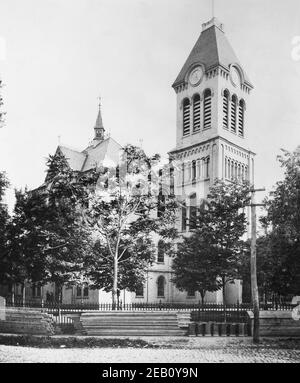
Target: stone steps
{"x":24,"y":321}
{"x":131,"y":323}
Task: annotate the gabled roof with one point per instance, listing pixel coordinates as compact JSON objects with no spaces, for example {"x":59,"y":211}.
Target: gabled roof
{"x":75,"y":158}
{"x":211,"y":49}
{"x":99,"y":153}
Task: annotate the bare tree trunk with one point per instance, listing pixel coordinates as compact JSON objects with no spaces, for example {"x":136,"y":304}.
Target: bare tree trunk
{"x":224,"y":297}
{"x":115,"y":281}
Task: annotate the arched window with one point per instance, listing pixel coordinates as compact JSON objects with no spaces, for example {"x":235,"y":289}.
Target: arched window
{"x":243,"y":172}
{"x":139,"y":291}
{"x":196,"y":113}
{"x":160,"y":252}
{"x":207,"y":167}
{"x":183,"y":175}
{"x":225,"y":167}
{"x":241,"y":117}
{"x":186,"y":116}
{"x":233,"y":113}
{"x":161,"y":286}
{"x":193,"y":212}
{"x":226,"y":109}
{"x":232,"y":170}
{"x":207,"y":109}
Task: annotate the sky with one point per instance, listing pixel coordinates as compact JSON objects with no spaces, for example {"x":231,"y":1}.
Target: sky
{"x":58,"y":56}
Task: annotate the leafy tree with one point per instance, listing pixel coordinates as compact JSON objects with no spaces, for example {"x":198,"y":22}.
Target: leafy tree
{"x":219,"y":228}
{"x":123,"y":215}
{"x":282,"y":222}
{"x":194,"y":268}
{"x":4,"y":222}
{"x":48,"y":236}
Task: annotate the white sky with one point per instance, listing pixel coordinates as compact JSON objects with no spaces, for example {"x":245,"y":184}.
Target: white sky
{"x":61,"y":54}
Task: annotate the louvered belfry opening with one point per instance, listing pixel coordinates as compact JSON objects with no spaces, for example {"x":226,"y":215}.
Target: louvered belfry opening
{"x":196,"y":112}
{"x":233,"y":113}
{"x":207,"y":109}
{"x":226,"y":109}
{"x":241,"y":117}
{"x":186,"y":117}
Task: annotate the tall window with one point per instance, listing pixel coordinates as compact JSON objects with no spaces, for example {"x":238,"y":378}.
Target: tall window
{"x":233,"y":113}
{"x":161,"y":287}
{"x":186,"y":116}
{"x":183,"y":217}
{"x":226,"y":109}
{"x":194,"y":171}
{"x":85,"y":291}
{"x":241,"y":117}
{"x":139,"y":291}
{"x":196,"y":113}
{"x":36,"y":291}
{"x":183,"y":175}
{"x":172,"y":182}
{"x":207,"y":167}
{"x":160,"y":252}
{"x":193,"y":212}
{"x":207,"y":109}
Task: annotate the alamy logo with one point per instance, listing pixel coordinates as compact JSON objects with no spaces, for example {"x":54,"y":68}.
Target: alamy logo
{"x":296,"y":48}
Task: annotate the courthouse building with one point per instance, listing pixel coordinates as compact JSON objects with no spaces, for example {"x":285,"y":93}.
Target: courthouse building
{"x":212,"y":94}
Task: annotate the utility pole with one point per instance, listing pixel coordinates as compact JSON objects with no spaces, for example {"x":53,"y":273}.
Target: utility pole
{"x":254,"y":287}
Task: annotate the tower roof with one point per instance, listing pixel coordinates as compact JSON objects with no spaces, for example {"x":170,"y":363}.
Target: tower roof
{"x":99,"y":123}
{"x":211,"y":49}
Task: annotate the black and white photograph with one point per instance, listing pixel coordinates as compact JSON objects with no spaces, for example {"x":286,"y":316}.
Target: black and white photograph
{"x":149,"y":185}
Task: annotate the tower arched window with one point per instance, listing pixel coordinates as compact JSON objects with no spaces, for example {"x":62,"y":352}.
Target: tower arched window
{"x":207,"y":109}
{"x":241,"y":117}
{"x":226,"y":109}
{"x":193,"y":212}
{"x":233,"y":113}
{"x":186,"y":116}
{"x":161,"y":286}
{"x":196,"y":113}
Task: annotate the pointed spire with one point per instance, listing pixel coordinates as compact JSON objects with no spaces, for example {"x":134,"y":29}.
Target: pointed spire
{"x":99,"y":128}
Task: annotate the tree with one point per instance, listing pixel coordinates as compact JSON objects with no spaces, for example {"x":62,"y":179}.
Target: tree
{"x":4,"y":222}
{"x":123,"y":214}
{"x":217,"y":237}
{"x":48,"y":237}
{"x":194,"y":268}
{"x":282,"y":222}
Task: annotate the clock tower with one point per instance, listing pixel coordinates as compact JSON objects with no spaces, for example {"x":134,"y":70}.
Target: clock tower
{"x":213,"y":92}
